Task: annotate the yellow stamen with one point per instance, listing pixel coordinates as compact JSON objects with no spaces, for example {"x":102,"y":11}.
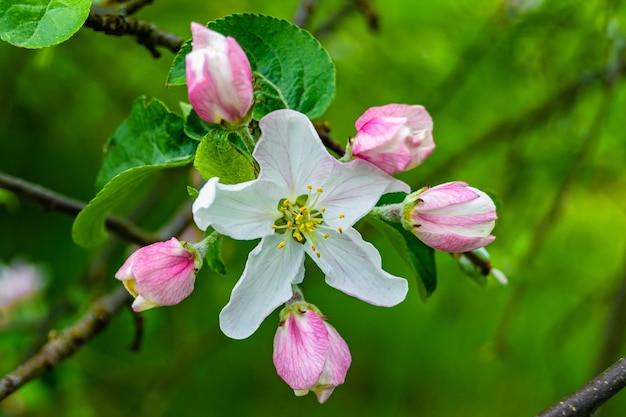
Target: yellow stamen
{"x":326,"y":235}
{"x":340,"y":230}
{"x":281,"y":245}
{"x":320,"y":190}
{"x":341,"y":216}
{"x":310,"y":187}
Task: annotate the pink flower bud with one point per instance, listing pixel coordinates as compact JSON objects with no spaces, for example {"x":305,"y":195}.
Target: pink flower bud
{"x":309,"y":354}
{"x":451,"y":217}
{"x":161,"y":274}
{"x":219,"y":78}
{"x":395,"y":137}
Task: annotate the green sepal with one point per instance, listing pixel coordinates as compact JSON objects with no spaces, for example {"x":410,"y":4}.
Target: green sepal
{"x":193,"y":193}
{"x":213,"y":255}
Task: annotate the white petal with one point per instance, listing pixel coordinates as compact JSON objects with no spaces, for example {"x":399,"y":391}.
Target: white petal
{"x":353,"y":188}
{"x":353,"y":266}
{"x":290,"y":153}
{"x":264,"y":285}
{"x":242,"y":211}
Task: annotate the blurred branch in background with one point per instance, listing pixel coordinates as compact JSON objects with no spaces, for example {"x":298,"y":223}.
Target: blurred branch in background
{"x":331,"y":23}
{"x":551,"y":218}
{"x":64,"y":344}
{"x":561,"y":101}
{"x":51,"y":200}
{"x":585,"y":401}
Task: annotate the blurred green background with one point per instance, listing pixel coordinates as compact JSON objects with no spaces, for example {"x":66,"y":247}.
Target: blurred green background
{"x":528,"y":100}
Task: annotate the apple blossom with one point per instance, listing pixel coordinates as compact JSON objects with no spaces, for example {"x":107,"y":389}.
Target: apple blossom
{"x":304,"y":201}
{"x":395,"y":137}
{"x":219,"y":78}
{"x":451,"y":217}
{"x":309,"y":354}
{"x":19,"y":281}
{"x":161,"y":274}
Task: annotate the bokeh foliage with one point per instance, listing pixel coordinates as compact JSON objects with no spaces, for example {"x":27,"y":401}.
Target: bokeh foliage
{"x":528,"y":100}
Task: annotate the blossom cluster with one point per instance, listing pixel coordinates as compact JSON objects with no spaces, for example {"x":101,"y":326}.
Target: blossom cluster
{"x":304,"y":202}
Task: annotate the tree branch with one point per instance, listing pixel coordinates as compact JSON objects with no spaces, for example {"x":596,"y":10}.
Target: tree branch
{"x":147,"y":33}
{"x":64,"y":344}
{"x":51,"y":200}
{"x":323,"y":130}
{"x":585,"y":401}
{"x":303,"y":13}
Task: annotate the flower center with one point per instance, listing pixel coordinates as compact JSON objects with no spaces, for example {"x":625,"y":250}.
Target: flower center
{"x":301,"y":219}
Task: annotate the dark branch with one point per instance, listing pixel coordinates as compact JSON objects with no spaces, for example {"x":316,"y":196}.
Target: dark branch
{"x":586,"y":400}
{"x":147,"y":33}
{"x":51,"y":200}
{"x":302,"y":16}
{"x":65,"y":343}
{"x":343,"y":12}
{"x":323,"y":130}
{"x":369,"y":13}
{"x":133,"y":6}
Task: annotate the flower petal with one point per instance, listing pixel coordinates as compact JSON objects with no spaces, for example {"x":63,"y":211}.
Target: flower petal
{"x":242,"y":211}
{"x":164,"y":272}
{"x":290,"y":152}
{"x":352,"y":190}
{"x":264,"y":285}
{"x":452,"y":242}
{"x":353,"y":266}
{"x":300,"y":348}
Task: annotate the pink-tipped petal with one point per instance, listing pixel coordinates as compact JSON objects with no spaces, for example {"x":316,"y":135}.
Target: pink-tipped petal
{"x":309,"y":354}
{"x":395,"y":137}
{"x":219,"y":77}
{"x":451,"y":217}
{"x":300,"y":348}
{"x":160,"y":274}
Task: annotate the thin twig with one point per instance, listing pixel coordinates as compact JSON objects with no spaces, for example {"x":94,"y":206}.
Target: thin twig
{"x":323,"y":130}
{"x":333,"y":21}
{"x":303,"y":13}
{"x":51,"y":200}
{"x":65,"y":343}
{"x":370,"y":14}
{"x":585,"y":401}
{"x":509,"y":130}
{"x":147,"y":33}
{"x":133,"y":6}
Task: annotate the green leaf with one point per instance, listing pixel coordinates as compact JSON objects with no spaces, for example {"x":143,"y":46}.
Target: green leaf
{"x":41,"y":23}
{"x":290,"y":67}
{"x":178,"y":71}
{"x":151,"y":135}
{"x":89,"y":225}
{"x":419,"y":256}
{"x":213,"y":256}
{"x":217,"y":157}
{"x":195,"y":128}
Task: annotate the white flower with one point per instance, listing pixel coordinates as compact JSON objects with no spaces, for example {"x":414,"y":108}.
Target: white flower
{"x":304,"y":200}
